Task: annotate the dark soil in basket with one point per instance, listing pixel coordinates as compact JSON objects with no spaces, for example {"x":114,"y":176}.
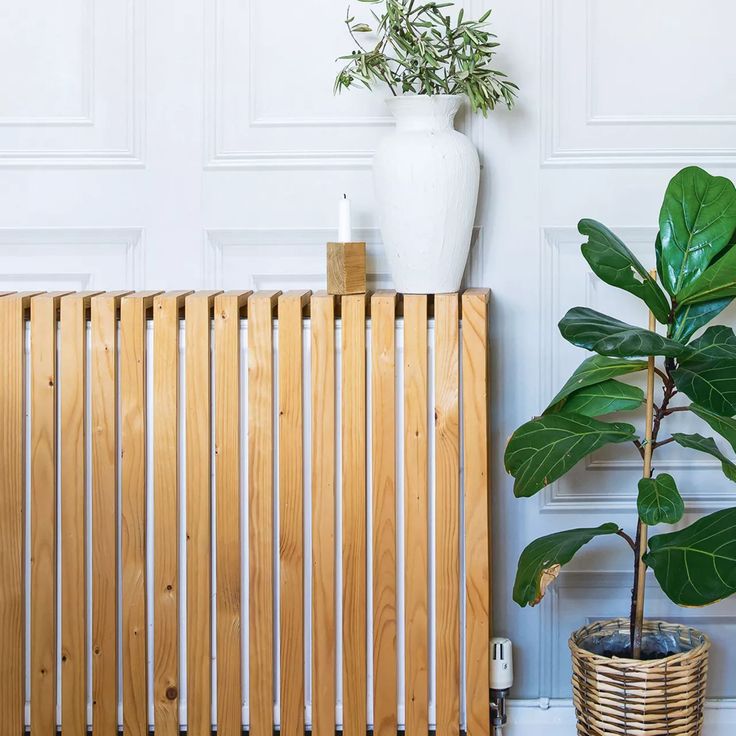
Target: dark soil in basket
{"x":654,"y":645}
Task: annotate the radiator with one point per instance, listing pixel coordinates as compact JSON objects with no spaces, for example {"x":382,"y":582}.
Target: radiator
{"x":244,"y":510}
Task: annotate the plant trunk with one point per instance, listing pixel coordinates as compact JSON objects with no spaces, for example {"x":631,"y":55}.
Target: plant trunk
{"x":640,"y":572}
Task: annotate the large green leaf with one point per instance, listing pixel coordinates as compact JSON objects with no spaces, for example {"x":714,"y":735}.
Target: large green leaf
{"x":707,"y":445}
{"x":659,"y":501}
{"x":594,"y":370}
{"x":691,"y":317}
{"x":541,"y":561}
{"x":544,"y":449}
{"x":697,"y":565}
{"x":716,"y":282}
{"x":615,"y":264}
{"x":606,"y":335}
{"x":602,"y":398}
{"x":708,"y":374}
{"x":697,"y":220}
{"x":725,"y":426}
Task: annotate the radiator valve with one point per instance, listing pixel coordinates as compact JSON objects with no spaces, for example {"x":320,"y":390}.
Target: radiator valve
{"x":502,"y":678}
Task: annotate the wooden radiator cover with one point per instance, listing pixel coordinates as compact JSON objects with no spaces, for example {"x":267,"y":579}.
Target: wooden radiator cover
{"x":91,"y":413}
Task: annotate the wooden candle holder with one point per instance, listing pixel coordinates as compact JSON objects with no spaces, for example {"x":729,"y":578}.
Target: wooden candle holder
{"x":345,"y":268}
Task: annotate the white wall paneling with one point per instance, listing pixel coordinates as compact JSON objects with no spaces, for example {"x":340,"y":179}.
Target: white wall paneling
{"x":71,"y":87}
{"x":615,"y":93}
{"x":294,"y":258}
{"x":74,"y":259}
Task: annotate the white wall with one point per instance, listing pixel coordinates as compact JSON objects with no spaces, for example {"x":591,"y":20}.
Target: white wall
{"x":198,"y":144}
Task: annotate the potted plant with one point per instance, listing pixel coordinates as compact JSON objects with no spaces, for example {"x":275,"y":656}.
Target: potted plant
{"x":632,"y":675}
{"x":426,"y":173}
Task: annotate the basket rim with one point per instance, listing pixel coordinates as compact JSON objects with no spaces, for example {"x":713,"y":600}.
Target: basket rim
{"x":649,"y":624}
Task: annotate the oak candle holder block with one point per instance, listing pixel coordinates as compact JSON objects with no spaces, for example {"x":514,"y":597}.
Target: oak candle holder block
{"x":345,"y":268}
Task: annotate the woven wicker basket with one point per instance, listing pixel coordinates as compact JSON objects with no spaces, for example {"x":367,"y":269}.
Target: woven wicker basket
{"x":639,"y":698}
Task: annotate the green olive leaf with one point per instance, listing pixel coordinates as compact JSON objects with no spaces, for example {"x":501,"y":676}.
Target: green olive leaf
{"x":707,"y":445}
{"x":541,"y":561}
{"x":606,"y":335}
{"x":697,"y":220}
{"x":544,"y":449}
{"x":696,"y":566}
{"x":659,"y":501}
{"x":615,"y":264}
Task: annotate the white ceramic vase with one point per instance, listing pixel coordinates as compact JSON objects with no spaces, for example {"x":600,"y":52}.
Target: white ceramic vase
{"x":426,"y":175}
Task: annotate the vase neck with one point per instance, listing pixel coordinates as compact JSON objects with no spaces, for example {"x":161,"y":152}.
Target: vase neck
{"x":424,"y":112}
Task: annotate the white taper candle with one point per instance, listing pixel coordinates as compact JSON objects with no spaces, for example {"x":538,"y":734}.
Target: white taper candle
{"x":344,"y":228}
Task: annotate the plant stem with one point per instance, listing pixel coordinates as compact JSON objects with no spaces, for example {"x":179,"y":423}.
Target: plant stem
{"x":621,"y":533}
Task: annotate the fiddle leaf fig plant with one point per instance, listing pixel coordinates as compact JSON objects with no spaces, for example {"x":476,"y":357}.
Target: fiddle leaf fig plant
{"x":695,"y":254}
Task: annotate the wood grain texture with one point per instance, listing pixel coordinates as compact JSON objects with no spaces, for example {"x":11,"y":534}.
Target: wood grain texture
{"x":228,"y":307}
{"x":73,"y":362}
{"x":322,"y":309}
{"x":447,"y":512}
{"x":199,"y":311}
{"x":260,"y":510}
{"x":416,"y":515}
{"x":103,"y":379}
{"x":383,"y":456}
{"x":354,"y":669}
{"x":133,"y":401}
{"x":166,"y":309}
{"x":12,"y":502}
{"x":346,"y":268}
{"x":44,"y":455}
{"x":291,"y":513}
{"x":477,"y":536}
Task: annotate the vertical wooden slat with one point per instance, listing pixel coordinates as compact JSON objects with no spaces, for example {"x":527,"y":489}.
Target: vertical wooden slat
{"x":416,"y":510}
{"x":353,"y":515}
{"x":103,"y":381}
{"x":383,"y":411}
{"x":199,"y":311}
{"x":323,"y":514}
{"x":447,"y":512}
{"x":291,"y":512}
{"x":133,"y":311}
{"x":12,"y":495}
{"x":228,"y":308}
{"x":260,"y":510}
{"x":73,"y":360}
{"x":44,"y":313}
{"x":477,"y":536}
{"x":166,"y":308}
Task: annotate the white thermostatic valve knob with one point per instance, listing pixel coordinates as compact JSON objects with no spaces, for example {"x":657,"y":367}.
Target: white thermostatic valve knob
{"x":502,"y":664}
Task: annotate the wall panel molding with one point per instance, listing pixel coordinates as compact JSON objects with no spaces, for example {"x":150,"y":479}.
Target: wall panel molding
{"x":575,"y":133}
{"x":109,"y":131}
{"x":78,"y":258}
{"x":274,"y":140}
{"x":271,"y":257}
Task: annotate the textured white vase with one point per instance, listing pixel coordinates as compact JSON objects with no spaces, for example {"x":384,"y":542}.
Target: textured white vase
{"x":426,"y":175}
